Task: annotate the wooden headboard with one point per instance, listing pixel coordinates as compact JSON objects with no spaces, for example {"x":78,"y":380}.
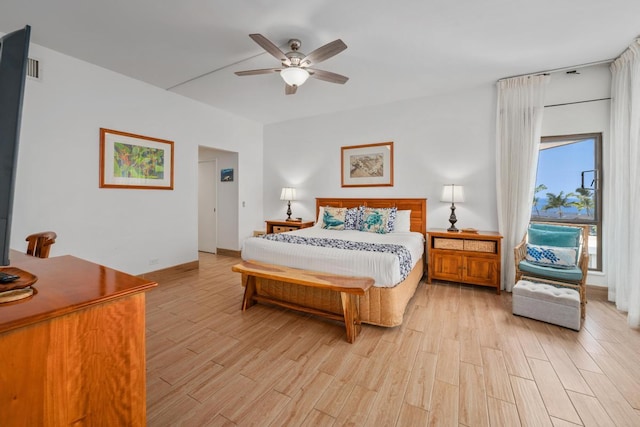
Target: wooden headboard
{"x":418,"y":208}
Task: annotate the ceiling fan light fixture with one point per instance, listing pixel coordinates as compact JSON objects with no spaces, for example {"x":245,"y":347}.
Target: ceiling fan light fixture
{"x":294,"y":76}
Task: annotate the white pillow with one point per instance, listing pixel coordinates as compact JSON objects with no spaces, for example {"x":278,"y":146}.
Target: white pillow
{"x":403,"y":222}
{"x":320,"y":216}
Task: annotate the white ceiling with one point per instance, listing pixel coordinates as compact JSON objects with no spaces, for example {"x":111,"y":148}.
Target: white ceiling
{"x":396,"y":49}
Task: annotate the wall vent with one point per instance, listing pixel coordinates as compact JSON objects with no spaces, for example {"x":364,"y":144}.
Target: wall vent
{"x":33,"y":68}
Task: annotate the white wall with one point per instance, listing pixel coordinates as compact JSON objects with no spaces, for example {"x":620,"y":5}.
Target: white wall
{"x":590,"y":117}
{"x":57,"y":177}
{"x":437,"y":140}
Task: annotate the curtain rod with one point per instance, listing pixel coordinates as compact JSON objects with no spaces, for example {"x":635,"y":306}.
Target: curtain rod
{"x":576,"y":102}
{"x":555,"y":70}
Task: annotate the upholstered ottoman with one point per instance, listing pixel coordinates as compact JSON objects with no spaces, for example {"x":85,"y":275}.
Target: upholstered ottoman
{"x":551,"y":304}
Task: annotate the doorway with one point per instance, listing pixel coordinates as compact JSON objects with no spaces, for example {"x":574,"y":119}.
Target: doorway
{"x":218,"y":206}
{"x":207,"y":206}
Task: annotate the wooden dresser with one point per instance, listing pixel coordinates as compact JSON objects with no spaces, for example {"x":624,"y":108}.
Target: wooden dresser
{"x":473,"y":258}
{"x":74,"y":352}
{"x":280,"y":226}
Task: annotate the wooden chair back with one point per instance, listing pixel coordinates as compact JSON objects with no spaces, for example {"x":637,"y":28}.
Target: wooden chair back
{"x":40,"y":243}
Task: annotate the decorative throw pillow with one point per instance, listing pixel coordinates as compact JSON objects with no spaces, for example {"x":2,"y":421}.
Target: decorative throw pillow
{"x":566,"y":239}
{"x":334,"y":218}
{"x":378,"y":220}
{"x":551,"y":256}
{"x":353,"y":218}
{"x":391,"y":225}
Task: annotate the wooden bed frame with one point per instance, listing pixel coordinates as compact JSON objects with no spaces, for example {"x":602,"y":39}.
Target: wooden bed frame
{"x":382,"y":306}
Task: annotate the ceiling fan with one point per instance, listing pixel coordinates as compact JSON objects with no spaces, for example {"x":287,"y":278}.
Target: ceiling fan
{"x":295,"y":69}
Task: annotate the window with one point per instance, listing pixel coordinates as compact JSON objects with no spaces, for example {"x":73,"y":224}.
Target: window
{"x":568,"y":186}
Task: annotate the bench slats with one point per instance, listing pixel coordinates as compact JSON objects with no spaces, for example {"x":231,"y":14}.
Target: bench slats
{"x":315,"y":279}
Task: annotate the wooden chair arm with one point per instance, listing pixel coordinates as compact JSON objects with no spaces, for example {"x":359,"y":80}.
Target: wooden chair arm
{"x":584,"y":261}
{"x":520,"y":251}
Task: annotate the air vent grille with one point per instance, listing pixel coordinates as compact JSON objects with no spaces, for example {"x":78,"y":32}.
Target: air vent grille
{"x":33,"y":68}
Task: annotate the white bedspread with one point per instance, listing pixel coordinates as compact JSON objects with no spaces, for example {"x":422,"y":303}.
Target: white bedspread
{"x":383,"y":267}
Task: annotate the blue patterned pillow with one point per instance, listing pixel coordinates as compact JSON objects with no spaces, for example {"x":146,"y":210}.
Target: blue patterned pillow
{"x":392,"y":220}
{"x":353,"y":218}
{"x":334,"y":218}
{"x":551,"y":256}
{"x":378,"y":220}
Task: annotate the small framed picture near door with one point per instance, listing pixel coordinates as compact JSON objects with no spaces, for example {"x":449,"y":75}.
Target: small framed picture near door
{"x":226,"y":175}
{"x":369,"y":165}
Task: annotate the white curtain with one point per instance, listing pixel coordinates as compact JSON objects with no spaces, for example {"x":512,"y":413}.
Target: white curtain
{"x":622,"y":186}
{"x":518,"y":128}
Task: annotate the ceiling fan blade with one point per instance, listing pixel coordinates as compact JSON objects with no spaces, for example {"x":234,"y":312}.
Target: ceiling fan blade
{"x":267,"y":45}
{"x":290,"y":90}
{"x":327,"y":76}
{"x":255,"y":72}
{"x":324,"y":52}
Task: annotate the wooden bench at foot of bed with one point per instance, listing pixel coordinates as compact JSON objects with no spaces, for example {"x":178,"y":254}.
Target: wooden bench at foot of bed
{"x":348,"y":287}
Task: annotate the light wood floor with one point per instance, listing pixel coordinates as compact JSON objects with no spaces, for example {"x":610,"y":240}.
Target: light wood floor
{"x":460,"y":358}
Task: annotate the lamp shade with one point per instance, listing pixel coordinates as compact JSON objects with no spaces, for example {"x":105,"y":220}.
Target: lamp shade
{"x":452,"y":193}
{"x":294,"y":76}
{"x":288,"y":193}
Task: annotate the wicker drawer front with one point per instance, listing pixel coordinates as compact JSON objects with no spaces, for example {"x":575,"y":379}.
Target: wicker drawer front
{"x":454,"y":244}
{"x":480,"y":246}
{"x":282,"y":229}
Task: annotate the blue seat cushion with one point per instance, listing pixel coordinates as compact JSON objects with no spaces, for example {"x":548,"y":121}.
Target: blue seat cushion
{"x":573,"y":274}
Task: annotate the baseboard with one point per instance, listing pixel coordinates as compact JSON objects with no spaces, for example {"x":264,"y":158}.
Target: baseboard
{"x":180,"y":268}
{"x":228,"y":252}
{"x":600,"y":293}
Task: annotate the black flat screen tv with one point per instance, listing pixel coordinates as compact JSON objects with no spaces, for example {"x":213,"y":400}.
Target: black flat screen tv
{"x":14,"y":48}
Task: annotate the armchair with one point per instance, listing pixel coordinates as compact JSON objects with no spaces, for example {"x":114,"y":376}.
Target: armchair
{"x":556,"y":255}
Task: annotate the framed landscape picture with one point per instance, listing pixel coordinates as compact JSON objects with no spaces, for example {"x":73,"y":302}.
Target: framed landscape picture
{"x":368,"y":165}
{"x":135,"y":161}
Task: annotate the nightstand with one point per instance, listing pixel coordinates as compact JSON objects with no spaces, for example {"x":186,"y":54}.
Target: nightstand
{"x":465,"y":257}
{"x":280,"y":226}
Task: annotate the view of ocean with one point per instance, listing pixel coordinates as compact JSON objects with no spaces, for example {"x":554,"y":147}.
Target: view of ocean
{"x":568,"y":212}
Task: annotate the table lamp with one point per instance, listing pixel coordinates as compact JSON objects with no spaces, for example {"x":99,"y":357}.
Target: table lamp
{"x":452,"y":193}
{"x":288,"y":194}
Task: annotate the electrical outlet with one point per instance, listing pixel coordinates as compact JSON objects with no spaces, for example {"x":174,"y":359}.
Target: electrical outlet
{"x":153,"y":261}
{"x":243,"y":204}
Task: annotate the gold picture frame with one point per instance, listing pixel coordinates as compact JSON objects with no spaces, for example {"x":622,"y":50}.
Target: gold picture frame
{"x":135,"y":161}
{"x":369,"y":165}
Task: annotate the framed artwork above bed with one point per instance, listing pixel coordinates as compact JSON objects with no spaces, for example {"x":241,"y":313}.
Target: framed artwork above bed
{"x":369,"y":165}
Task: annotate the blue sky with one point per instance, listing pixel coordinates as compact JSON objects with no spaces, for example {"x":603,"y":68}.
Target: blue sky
{"x":559,"y":168}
